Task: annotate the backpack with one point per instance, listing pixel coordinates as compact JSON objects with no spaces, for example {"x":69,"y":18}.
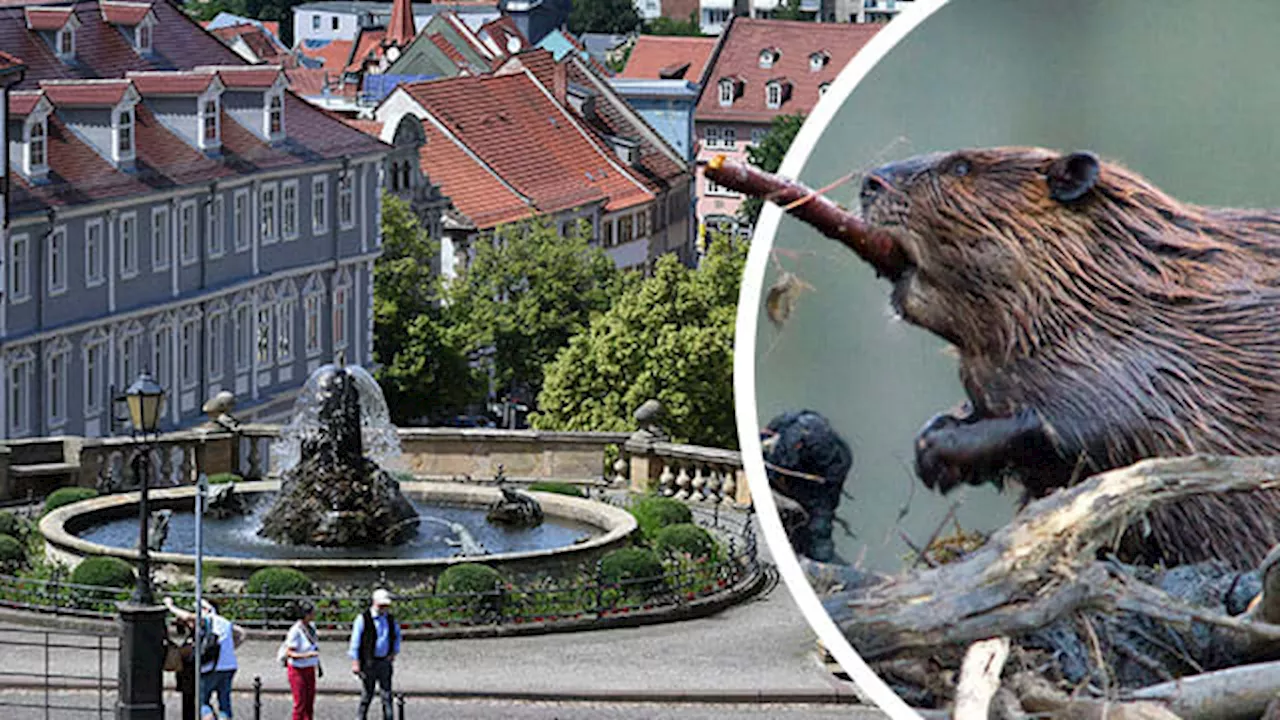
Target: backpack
{"x":210,"y":644}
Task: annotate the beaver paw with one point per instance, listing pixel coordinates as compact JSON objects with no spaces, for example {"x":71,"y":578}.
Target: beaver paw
{"x":936,"y":464}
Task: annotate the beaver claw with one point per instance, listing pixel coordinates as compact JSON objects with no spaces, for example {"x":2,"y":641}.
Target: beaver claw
{"x":967,"y":449}
{"x":936,"y":464}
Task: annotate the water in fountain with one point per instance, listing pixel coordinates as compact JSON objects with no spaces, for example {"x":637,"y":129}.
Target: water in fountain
{"x":332,"y":494}
{"x":378,"y":436}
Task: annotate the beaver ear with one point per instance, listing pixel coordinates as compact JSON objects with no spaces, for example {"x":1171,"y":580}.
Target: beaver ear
{"x":1071,"y":176}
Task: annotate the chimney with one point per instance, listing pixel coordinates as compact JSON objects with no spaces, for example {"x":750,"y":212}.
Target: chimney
{"x":561,"y":79}
{"x":400,"y":30}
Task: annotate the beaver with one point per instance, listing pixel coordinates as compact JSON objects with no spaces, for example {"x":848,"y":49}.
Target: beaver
{"x":1098,"y":321}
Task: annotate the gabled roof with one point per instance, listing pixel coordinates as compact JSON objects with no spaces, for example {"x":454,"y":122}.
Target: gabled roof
{"x":368,"y":46}
{"x":512,"y":125}
{"x":450,"y":51}
{"x":246,"y":77}
{"x":653,"y":54}
{"x":24,"y":102}
{"x":86,"y":93}
{"x":128,"y":14}
{"x":258,"y":40}
{"x":180,"y":84}
{"x":47,"y":18}
{"x":738,"y":56}
{"x":333,"y":55}
{"x":503,"y":37}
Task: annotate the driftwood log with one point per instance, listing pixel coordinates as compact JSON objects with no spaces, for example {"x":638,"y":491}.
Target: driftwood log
{"x":1050,"y":565}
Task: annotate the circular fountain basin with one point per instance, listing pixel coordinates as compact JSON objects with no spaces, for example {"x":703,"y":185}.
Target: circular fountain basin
{"x":575,"y":531}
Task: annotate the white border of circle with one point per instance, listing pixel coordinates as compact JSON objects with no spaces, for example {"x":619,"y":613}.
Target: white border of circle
{"x":744,"y":361}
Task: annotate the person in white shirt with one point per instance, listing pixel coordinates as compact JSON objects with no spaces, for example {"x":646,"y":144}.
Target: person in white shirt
{"x":302,"y":653}
{"x":215,"y":676}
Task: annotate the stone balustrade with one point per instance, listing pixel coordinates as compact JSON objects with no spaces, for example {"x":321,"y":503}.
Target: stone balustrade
{"x":686,"y":472}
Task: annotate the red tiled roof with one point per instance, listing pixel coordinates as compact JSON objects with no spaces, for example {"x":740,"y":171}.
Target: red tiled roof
{"x":739,"y":55}
{"x":85,"y":93}
{"x":22,"y":102}
{"x":450,"y":51}
{"x":502,"y":31}
{"x":47,"y":18}
{"x":368,"y":127}
{"x":653,"y":54}
{"x":516,"y":129}
{"x":171,"y":83}
{"x":334,"y":56}
{"x":307,"y":82}
{"x":245,"y":77}
{"x":400,"y":28}
{"x":124,"y":13}
{"x":272,"y":27}
{"x":472,"y":187}
{"x":9,"y":62}
{"x":368,"y":44}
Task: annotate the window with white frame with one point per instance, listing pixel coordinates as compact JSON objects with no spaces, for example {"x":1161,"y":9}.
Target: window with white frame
{"x":214,"y":343}
{"x":346,"y":200}
{"x":240,"y":220}
{"x":275,"y":116}
{"x":284,"y":331}
{"x":625,"y":228}
{"x":209,"y":123}
{"x":728,"y":137}
{"x":57,"y":260}
{"x":93,"y":254}
{"x":128,"y":245}
{"x":142,"y":37}
{"x":65,"y":42}
{"x":268,"y":212}
{"x":213,"y":233}
{"x":719,"y":190}
{"x":315,"y":22}
{"x":18,"y":397}
{"x":264,"y":335}
{"x":188,"y":353}
{"x":727,"y":92}
{"x":311,"y":326}
{"x":188,"y":246}
{"x":773,"y":94}
{"x":642,"y":224}
{"x":57,"y":363}
{"x":95,"y":370}
{"x":38,"y":147}
{"x":124,"y":135}
{"x":289,"y":209}
{"x":19,"y":268}
{"x":319,"y":204}
{"x":243,"y":321}
{"x":160,"y":238}
{"x":711,"y":136}
{"x":161,"y":355}
{"x":767,"y":57}
{"x":130,"y":358}
{"x":341,"y":300}
{"x":817,"y":61}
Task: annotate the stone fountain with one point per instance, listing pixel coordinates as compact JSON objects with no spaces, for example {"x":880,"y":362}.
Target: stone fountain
{"x":331,"y":493}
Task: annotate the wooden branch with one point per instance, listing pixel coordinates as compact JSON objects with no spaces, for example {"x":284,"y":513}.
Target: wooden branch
{"x":980,"y":678}
{"x":875,"y":245}
{"x":1235,"y":693}
{"x":1042,"y":565}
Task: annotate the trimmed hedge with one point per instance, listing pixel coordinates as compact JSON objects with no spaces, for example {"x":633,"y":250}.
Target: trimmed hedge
{"x":277,"y":581}
{"x":629,"y":564}
{"x":66,"y":496}
{"x":13,"y":553}
{"x":685,"y":538}
{"x":223,"y":478}
{"x":103,"y":571}
{"x":468,"y":578}
{"x":14,"y":526}
{"x":560,"y":488}
{"x":653,"y":512}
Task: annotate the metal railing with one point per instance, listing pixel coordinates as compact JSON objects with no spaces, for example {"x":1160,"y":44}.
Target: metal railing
{"x":43,"y":662}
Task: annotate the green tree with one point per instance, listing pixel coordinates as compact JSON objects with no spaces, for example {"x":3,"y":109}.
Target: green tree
{"x":767,"y":155}
{"x":603,"y":16}
{"x":525,"y":294}
{"x":790,"y":10}
{"x":264,"y":10}
{"x":422,"y":373}
{"x":670,"y":337}
{"x":669,"y":26}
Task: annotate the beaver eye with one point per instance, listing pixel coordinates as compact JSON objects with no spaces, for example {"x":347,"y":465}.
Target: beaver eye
{"x":960,"y":168}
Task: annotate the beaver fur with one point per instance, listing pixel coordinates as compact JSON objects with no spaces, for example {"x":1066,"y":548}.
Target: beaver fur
{"x":1098,"y":321}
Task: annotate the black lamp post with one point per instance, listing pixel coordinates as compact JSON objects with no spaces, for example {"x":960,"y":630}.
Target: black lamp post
{"x":140,"y":693}
{"x":145,"y":399}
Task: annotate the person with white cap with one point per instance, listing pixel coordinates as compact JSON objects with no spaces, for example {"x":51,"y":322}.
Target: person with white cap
{"x":217,"y":673}
{"x":375,"y":642}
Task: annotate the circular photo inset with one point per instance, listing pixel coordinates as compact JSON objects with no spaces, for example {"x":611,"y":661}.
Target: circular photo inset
{"x":1008,"y":360}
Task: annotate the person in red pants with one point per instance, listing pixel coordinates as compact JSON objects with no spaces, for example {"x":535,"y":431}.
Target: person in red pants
{"x":302,"y":655}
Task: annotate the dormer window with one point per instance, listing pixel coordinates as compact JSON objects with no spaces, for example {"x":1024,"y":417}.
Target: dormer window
{"x":209,"y":122}
{"x":275,"y":116}
{"x":65,"y":42}
{"x":142,"y":38}
{"x":823,"y":88}
{"x":773,"y":94}
{"x":768,"y":57}
{"x":818,"y":60}
{"x":124,"y":135}
{"x":726,"y":92}
{"x":38,"y":148}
